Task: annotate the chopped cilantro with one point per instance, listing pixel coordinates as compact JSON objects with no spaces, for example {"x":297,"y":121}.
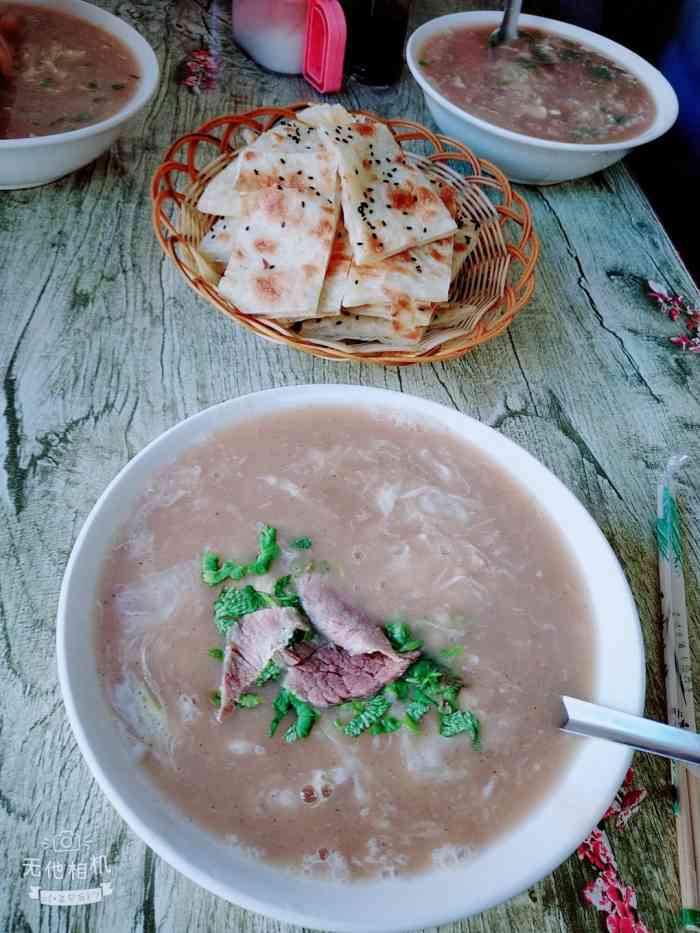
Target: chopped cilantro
{"x":214,"y":572}
{"x":215,"y":698}
{"x":424,"y":62}
{"x":283,"y":598}
{"x":281,"y":706}
{"x":385,"y":725}
{"x":248,"y":700}
{"x":372,"y":712}
{"x":271,"y":671}
{"x":302,"y":544}
{"x":399,"y":688}
{"x":411,"y":724}
{"x":306,"y":715}
{"x":400,"y":637}
{"x":451,"y":651}
{"x":92,"y":85}
{"x":601,"y":71}
{"x":118,"y":86}
{"x":216,"y":653}
{"x":459,"y":721}
{"x":231,"y":604}
{"x":420,"y":704}
{"x":268,"y":549}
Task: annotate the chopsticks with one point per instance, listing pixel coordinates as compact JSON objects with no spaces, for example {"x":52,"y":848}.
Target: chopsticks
{"x":679,"y":689}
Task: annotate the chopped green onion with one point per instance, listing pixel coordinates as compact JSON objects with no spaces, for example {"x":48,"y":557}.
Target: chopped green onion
{"x":271,"y":671}
{"x":302,"y":544}
{"x":216,"y":653}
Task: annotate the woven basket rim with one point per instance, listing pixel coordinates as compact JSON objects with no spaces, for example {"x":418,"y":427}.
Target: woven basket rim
{"x":513,"y":214}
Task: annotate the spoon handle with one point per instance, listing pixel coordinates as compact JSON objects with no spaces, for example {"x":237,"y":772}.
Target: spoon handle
{"x":509,"y":26}
{"x":600,"y":722}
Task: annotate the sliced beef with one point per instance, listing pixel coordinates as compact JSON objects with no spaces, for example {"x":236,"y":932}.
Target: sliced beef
{"x":360,"y":659}
{"x":332,"y":675}
{"x":252,"y":642}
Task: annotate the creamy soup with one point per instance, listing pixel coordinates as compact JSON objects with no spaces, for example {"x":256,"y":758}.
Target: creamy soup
{"x":65,"y":72}
{"x":405,"y":522}
{"x":540,"y":84}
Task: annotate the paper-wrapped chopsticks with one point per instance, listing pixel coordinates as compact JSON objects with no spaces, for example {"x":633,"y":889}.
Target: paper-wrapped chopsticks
{"x":679,"y":689}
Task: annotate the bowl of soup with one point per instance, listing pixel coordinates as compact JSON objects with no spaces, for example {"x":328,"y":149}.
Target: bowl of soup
{"x":311,"y":643}
{"x":558,"y":103}
{"x":78,"y":75}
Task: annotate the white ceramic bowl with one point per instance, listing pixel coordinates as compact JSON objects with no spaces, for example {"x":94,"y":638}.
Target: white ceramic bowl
{"x":515,"y":861}
{"x":27,"y":163}
{"x":528,"y":159}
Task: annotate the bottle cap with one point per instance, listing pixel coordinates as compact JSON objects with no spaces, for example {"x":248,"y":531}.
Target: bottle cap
{"x":324,"y":49}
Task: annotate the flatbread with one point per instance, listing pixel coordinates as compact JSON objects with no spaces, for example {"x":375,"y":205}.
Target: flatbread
{"x":389,"y":206}
{"x":403,"y":323}
{"x":217,"y":243}
{"x":290,"y":154}
{"x":280,"y":253}
{"x":335,"y":282}
{"x":423,"y":273}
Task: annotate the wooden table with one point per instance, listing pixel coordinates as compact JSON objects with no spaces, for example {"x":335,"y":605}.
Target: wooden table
{"x":102,"y":347}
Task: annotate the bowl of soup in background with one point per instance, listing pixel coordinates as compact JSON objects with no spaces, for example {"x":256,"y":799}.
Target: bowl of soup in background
{"x":526,"y":158}
{"x":37,"y":160}
{"x":525,"y":853}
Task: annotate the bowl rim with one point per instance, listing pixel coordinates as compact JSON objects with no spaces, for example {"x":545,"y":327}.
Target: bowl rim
{"x":612,"y":764}
{"x":136,"y":44}
{"x":657,"y":84}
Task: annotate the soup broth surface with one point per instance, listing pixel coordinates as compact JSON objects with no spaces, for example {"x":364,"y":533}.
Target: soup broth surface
{"x":67,"y":73}
{"x":541,"y":84}
{"x":413,"y":523}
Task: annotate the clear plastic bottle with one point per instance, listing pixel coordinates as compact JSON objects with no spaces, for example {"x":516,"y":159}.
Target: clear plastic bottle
{"x":272,"y":32}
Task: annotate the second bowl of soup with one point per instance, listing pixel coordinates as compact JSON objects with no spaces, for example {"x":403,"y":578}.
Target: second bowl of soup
{"x":557,"y":103}
{"x":78,"y":74}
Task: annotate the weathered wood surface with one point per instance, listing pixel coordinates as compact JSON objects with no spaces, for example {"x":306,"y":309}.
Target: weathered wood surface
{"x":102,"y":347}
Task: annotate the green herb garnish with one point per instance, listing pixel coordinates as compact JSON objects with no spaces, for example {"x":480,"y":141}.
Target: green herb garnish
{"x":92,"y":85}
{"x":420,"y":704}
{"x":248,"y":700}
{"x":45,"y":82}
{"x":424,"y":62}
{"x":118,"y":86}
{"x":306,"y":714}
{"x":373,"y":710}
{"x":459,"y":721}
{"x":216,"y":653}
{"x":601,"y":71}
{"x":400,"y":637}
{"x":283,"y":598}
{"x":214,"y":572}
{"x":271,"y":671}
{"x":385,"y":725}
{"x":232,"y":604}
{"x":215,"y":698}
{"x":303,"y":544}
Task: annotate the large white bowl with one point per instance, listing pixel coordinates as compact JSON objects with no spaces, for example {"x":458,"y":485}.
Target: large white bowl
{"x":527,"y":159}
{"x":515,"y":861}
{"x":37,"y":160}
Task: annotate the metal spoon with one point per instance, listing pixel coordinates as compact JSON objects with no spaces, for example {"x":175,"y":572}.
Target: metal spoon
{"x":646,"y":735}
{"x":508,"y":30}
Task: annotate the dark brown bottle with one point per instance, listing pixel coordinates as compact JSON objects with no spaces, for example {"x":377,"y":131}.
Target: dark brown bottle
{"x":376,"y":37}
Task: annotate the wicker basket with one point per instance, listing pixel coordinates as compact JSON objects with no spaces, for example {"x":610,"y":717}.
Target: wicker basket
{"x":495,"y":283}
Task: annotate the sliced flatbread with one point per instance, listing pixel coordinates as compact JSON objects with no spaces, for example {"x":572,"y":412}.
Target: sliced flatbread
{"x":280,"y":254}
{"x":217,"y":243}
{"x":290,"y":154}
{"x":404,"y":322}
{"x":335,"y":282}
{"x":388,"y":205}
{"x":424,"y":273}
